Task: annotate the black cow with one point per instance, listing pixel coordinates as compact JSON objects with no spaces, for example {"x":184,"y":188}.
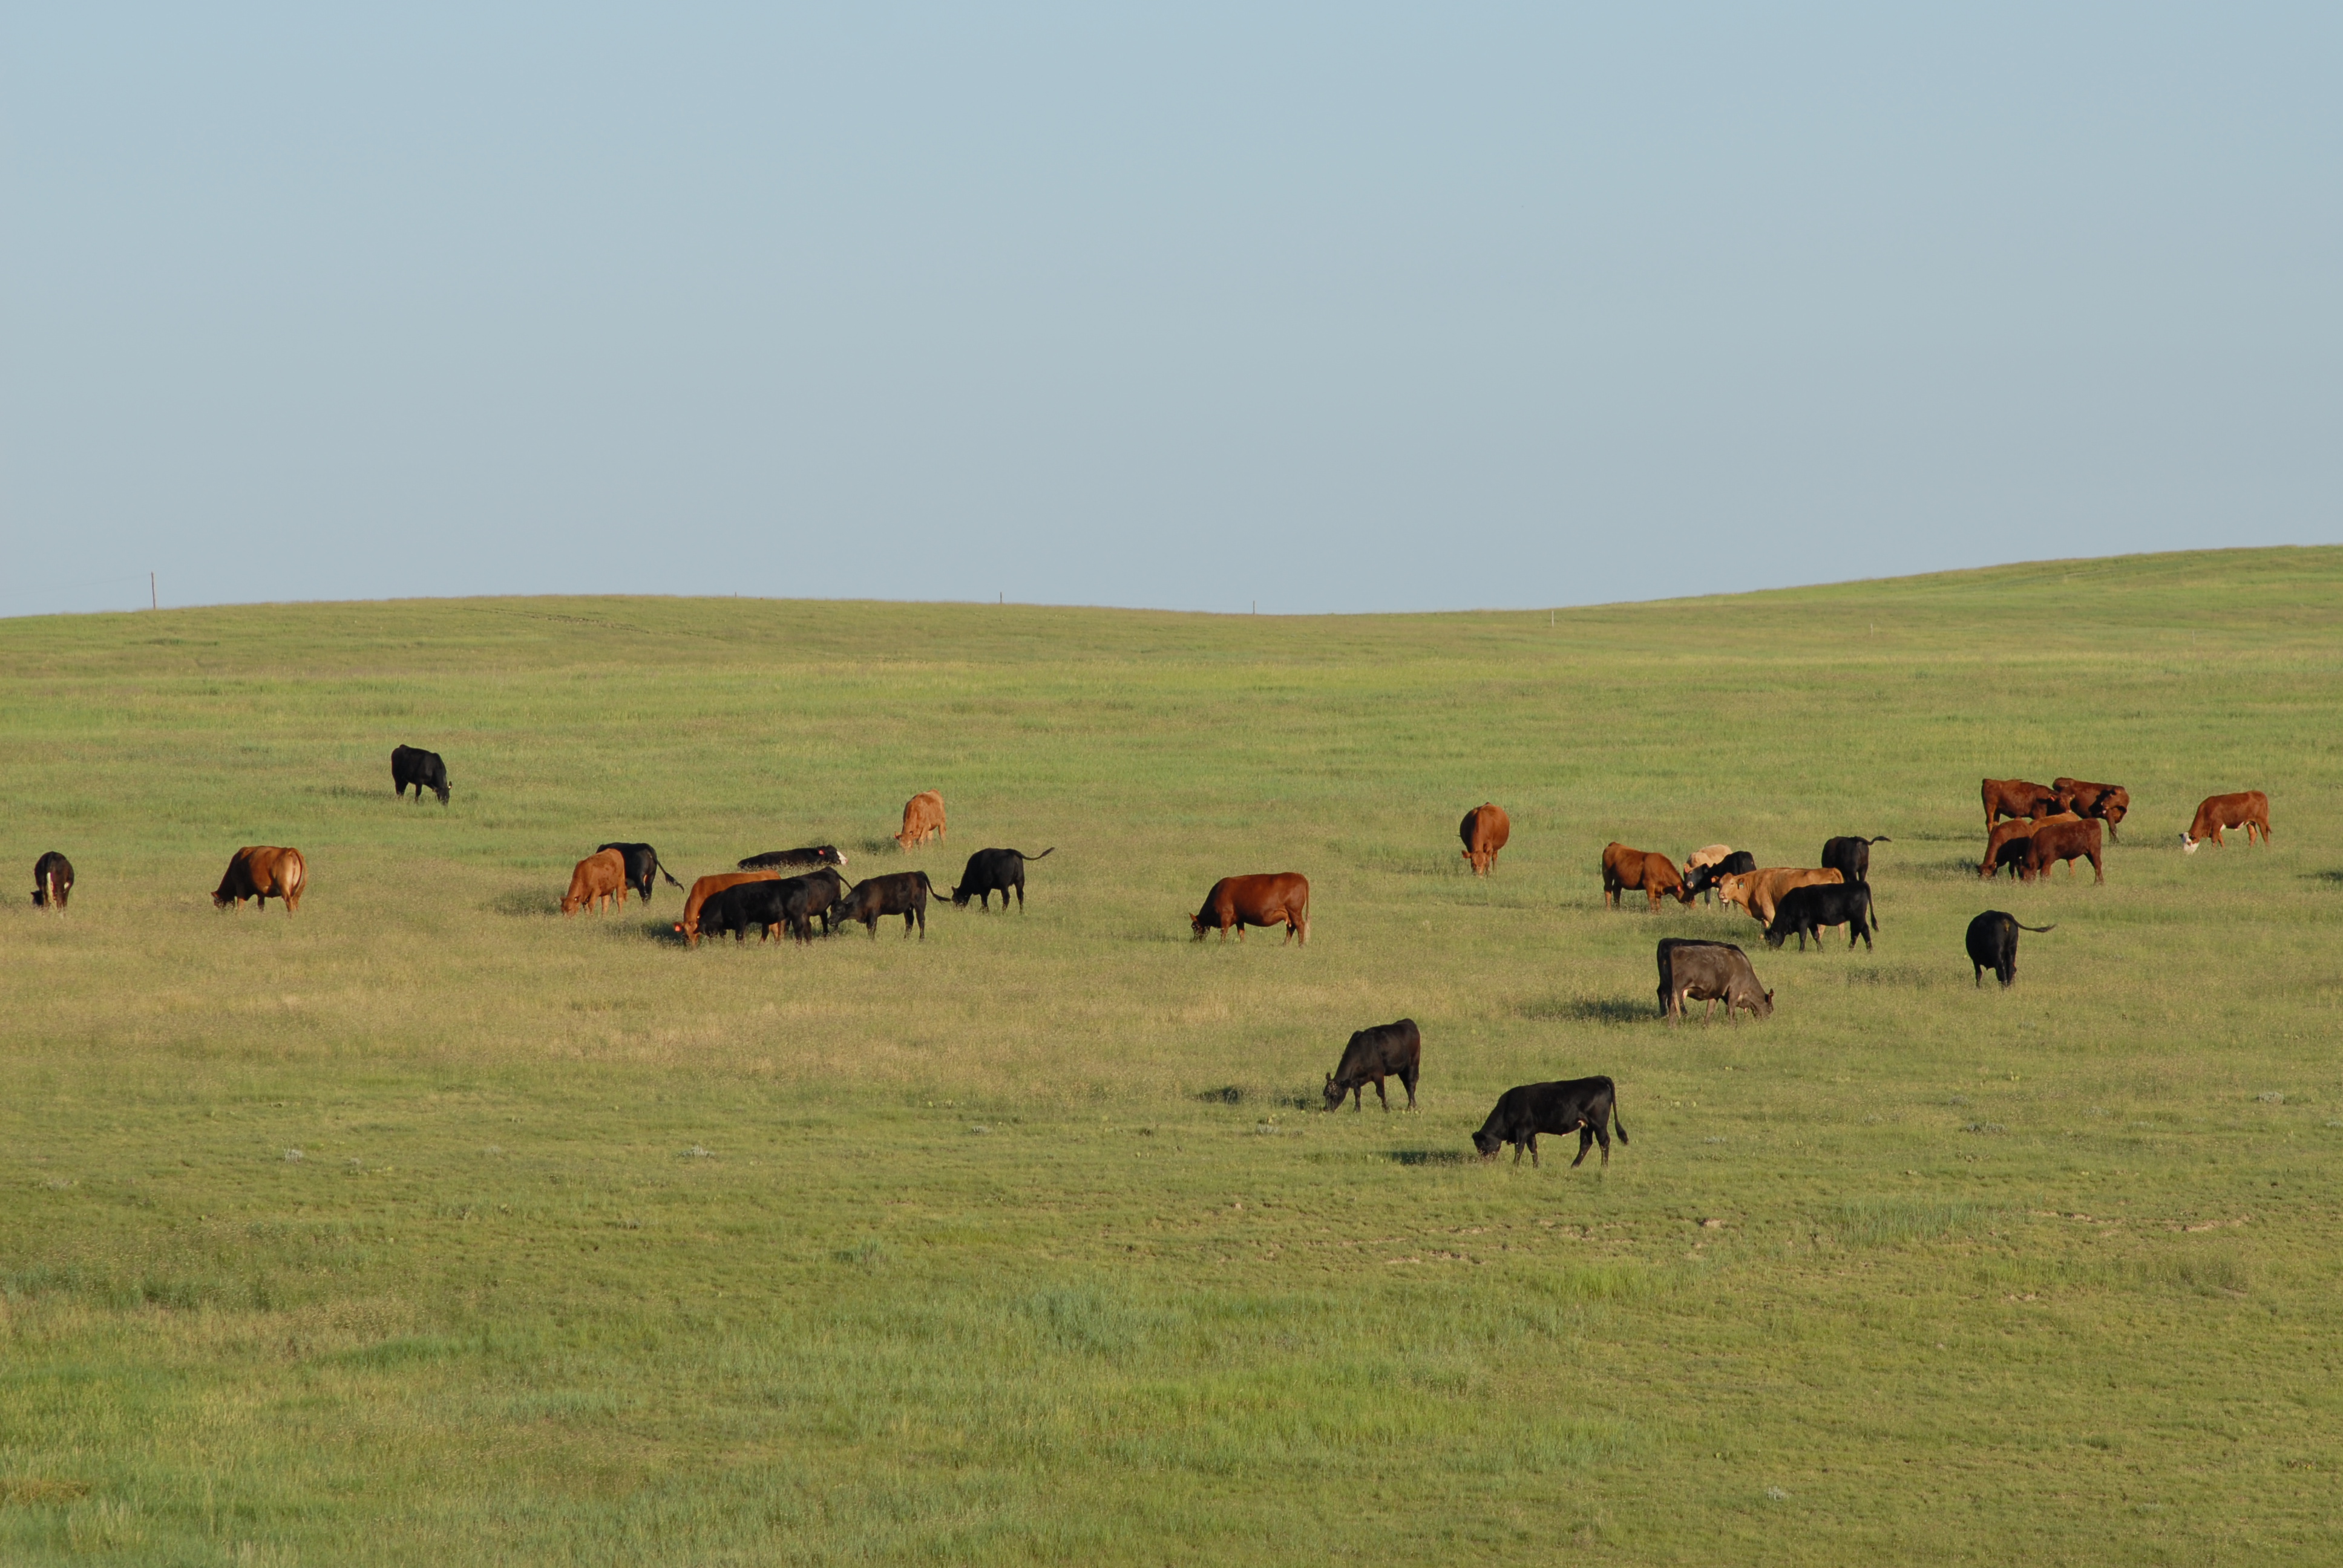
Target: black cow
{"x":1739,"y":863}
{"x":1388,"y":1048}
{"x":1580,"y":1105}
{"x":904,"y":893}
{"x":992,"y":871}
{"x":1992,"y":944}
{"x":641,"y":861}
{"x":424,"y":769}
{"x":1709,"y":972}
{"x":790,"y":902}
{"x":1850,"y":858}
{"x":813,"y":855}
{"x":51,"y":881}
{"x":1807,"y":910}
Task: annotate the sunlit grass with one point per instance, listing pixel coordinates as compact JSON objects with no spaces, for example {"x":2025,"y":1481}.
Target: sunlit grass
{"x":1026,"y":1243}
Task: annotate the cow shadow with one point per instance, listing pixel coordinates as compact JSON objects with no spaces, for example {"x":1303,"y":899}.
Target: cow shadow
{"x":1425,"y":1156}
{"x":2332,"y":878}
{"x":1589,"y":1010}
{"x":525,"y":903}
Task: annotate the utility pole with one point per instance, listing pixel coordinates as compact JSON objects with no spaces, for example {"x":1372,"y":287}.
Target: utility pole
{"x":152,"y":602}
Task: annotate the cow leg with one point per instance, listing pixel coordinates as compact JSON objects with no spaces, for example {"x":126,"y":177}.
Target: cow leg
{"x":1585,"y":1142}
{"x":1409,"y":1078}
{"x":1358,"y":1097}
{"x":1533,"y":1153}
{"x":1381,"y":1095}
{"x":1020,"y":899}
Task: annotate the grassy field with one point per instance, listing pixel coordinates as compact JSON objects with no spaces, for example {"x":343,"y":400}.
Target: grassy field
{"x":429,"y":1226}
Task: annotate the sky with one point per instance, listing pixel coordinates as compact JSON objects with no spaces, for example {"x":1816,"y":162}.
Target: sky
{"x":1318,"y":308}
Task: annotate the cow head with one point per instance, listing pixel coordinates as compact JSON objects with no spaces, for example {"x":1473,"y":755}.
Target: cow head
{"x":1488,"y":1143}
{"x":961,"y":896}
{"x":1196,"y":923}
{"x":1334,"y":1093}
{"x":1765,"y":1008}
{"x":2188,"y":844}
{"x":834,"y":857}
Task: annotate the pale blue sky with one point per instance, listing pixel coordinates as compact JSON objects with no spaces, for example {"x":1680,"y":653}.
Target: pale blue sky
{"x":1332,"y":308}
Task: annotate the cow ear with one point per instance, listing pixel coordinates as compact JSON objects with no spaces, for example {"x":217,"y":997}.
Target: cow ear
{"x":1769,"y":996}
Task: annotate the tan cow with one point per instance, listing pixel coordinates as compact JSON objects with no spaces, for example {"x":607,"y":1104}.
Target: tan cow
{"x":1485,"y":830}
{"x":2248,"y":809}
{"x":594,"y":881}
{"x":923,"y":814}
{"x":2017,"y":797}
{"x":1625,"y":870}
{"x":1758,"y":892}
{"x":1997,"y":850}
{"x":262,"y":872}
{"x":707,"y":888}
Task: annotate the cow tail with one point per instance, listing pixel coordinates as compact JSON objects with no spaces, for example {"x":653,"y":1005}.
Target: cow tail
{"x":1883,"y":838}
{"x":663,"y":871}
{"x":1044,"y":855}
{"x":1621,"y":1127}
{"x":2037,"y":931}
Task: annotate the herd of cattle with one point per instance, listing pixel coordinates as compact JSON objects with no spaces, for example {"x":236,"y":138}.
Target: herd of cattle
{"x":2031,"y":829}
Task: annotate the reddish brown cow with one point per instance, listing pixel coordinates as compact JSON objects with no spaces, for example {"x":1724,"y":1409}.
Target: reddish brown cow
{"x":2248,"y":810}
{"x":261,"y":872}
{"x":702,"y":889}
{"x":2068,"y":842}
{"x":1625,"y":868}
{"x":2107,"y":802}
{"x":923,"y":814}
{"x":1996,"y":850}
{"x":2017,"y":797}
{"x":1485,"y":830}
{"x":593,"y":881}
{"x":1260,"y":900}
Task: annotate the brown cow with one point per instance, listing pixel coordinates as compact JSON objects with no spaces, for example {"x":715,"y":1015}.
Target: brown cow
{"x":2107,"y":802}
{"x":2017,"y":797}
{"x":1258,"y":900}
{"x":702,"y":889}
{"x":594,"y":881}
{"x":262,"y":872}
{"x":2248,"y":809}
{"x":1997,"y":851}
{"x":2069,"y":841}
{"x":923,"y":814}
{"x":1625,"y":870}
{"x":1758,"y":892}
{"x":1485,"y":830}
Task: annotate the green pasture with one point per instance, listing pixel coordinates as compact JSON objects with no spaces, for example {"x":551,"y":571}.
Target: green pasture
{"x":429,"y":1227}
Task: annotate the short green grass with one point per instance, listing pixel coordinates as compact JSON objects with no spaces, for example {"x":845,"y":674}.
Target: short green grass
{"x":429,"y":1226}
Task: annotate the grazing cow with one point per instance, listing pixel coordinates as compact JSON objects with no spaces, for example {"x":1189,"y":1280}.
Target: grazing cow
{"x":811,"y":855}
{"x":2107,"y":802}
{"x":2017,"y":797}
{"x":641,"y":861}
{"x":1992,"y":944}
{"x":2004,"y":846}
{"x":1756,"y":892}
{"x":261,"y":872}
{"x":1851,"y":858}
{"x":51,"y":881}
{"x":992,"y":871}
{"x":1388,"y":1048}
{"x":923,"y":814}
{"x":595,"y":880}
{"x":1257,"y":900}
{"x":790,"y":902}
{"x":1580,"y":1105}
{"x":1485,"y":830}
{"x":707,"y":888}
{"x":413,"y":765}
{"x":1709,"y":972}
{"x":1804,"y":911}
{"x":1625,"y":870}
{"x":1704,"y":879}
{"x":904,"y":893}
{"x":2068,"y":841}
{"x":2248,"y":810}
